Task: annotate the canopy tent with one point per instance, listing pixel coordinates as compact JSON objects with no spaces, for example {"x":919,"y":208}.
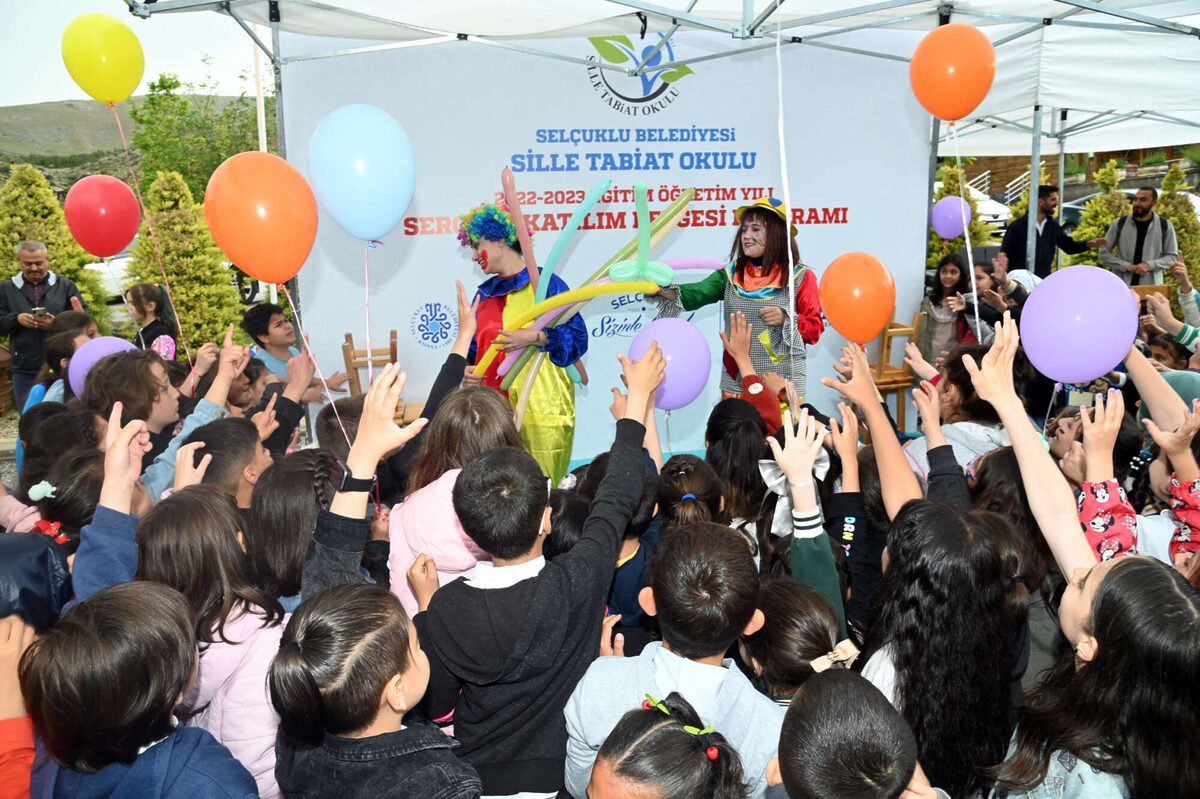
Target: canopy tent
{"x":1128,"y":74}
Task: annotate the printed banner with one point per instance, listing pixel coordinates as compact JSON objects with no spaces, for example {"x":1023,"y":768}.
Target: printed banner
{"x":857,"y":153}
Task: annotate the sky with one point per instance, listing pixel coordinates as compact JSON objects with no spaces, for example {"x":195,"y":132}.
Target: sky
{"x":32,"y":71}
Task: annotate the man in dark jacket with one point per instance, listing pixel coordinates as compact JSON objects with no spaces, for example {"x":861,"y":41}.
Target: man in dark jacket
{"x":28,"y":304}
{"x":1049,"y":237}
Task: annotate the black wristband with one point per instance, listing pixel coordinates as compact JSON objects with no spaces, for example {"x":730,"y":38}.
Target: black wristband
{"x":351,"y":483}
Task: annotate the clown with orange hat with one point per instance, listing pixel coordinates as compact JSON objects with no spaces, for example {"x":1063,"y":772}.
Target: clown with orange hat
{"x":755,"y":283}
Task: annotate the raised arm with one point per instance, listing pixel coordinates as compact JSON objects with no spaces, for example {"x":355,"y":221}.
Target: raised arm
{"x":1166,"y":407}
{"x":896,"y":477}
{"x":1050,"y":496}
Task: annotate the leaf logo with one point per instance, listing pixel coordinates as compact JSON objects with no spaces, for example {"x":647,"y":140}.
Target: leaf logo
{"x":659,"y":74}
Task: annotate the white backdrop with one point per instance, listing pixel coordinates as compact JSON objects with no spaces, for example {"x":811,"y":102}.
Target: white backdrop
{"x":857,"y":146}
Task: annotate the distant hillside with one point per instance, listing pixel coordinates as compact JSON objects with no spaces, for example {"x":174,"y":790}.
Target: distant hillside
{"x":69,"y":127}
{"x":66,"y":140}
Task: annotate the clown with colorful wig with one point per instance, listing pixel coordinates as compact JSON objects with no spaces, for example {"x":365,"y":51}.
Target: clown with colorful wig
{"x":548,"y":427}
{"x":755,"y":283}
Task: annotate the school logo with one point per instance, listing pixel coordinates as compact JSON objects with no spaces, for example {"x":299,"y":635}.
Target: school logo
{"x":433,"y":324}
{"x":635,"y":95}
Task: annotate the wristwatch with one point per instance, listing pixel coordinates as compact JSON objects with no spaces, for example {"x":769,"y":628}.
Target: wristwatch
{"x":351,"y":483}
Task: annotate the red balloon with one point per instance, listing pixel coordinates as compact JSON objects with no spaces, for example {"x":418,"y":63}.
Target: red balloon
{"x":262,"y":214}
{"x":858,"y":296}
{"x":952,"y":70}
{"x":103,"y":215}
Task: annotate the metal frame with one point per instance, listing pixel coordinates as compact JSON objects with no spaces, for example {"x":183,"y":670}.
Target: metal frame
{"x":756,"y":26}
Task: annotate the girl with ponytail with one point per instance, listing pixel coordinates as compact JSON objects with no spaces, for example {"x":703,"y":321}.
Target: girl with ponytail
{"x":155,"y":318}
{"x":349,"y":669}
{"x":663,"y":750}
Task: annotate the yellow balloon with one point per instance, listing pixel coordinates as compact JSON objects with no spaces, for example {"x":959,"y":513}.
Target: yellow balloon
{"x":103,"y":56}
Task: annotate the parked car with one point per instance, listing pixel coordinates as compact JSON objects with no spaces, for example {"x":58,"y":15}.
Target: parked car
{"x":1070,"y":213}
{"x":993,"y":213}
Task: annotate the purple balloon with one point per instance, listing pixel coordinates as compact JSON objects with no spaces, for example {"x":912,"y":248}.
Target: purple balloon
{"x":86,"y":357}
{"x":1078,"y":324}
{"x":688,"y":360}
{"x":948,"y":215}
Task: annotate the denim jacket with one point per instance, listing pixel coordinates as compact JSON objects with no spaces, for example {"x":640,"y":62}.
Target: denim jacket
{"x":417,"y":762}
{"x":1068,"y":777}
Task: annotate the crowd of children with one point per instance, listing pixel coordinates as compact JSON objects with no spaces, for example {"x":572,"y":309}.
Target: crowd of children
{"x":192,"y":604}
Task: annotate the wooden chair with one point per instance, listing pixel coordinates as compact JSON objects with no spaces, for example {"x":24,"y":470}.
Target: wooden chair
{"x":891,"y":379}
{"x":357,"y":359}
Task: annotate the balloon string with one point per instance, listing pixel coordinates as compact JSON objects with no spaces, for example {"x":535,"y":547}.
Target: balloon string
{"x":962,"y":212}
{"x":150,"y":226}
{"x":320,"y":376}
{"x":367,"y":305}
{"x":667,"y":428}
{"x":1050,"y":407}
{"x":316,"y":366}
{"x":790,"y":323}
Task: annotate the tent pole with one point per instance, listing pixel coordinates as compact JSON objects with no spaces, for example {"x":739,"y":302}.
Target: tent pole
{"x":1062,"y":162}
{"x":934,"y":135}
{"x":1035,"y":179}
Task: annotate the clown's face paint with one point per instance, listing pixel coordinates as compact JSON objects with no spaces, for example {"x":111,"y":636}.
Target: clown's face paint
{"x":481,"y":255}
{"x":754,"y":239}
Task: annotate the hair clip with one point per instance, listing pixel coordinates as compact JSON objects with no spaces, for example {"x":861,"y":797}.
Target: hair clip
{"x":687,"y":496}
{"x":844,"y":652}
{"x":650,"y":702}
{"x":52,"y":529}
{"x":1016,"y":578}
{"x":711,"y":752}
{"x":42,"y":490}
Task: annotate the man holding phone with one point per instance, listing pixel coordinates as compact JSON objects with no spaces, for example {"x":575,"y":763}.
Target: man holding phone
{"x":28,"y":304}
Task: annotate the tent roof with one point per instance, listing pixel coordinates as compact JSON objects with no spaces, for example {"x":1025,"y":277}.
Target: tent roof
{"x":1128,"y":71}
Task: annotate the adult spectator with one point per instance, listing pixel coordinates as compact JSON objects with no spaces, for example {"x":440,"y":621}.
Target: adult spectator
{"x":1139,"y":252}
{"x":28,"y":304}
{"x":1049,"y":237}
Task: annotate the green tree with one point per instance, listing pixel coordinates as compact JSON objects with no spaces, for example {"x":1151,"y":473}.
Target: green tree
{"x":1100,"y":212}
{"x":1173,"y":205}
{"x":189,"y":129}
{"x":201,"y":281}
{"x":30,"y":210}
{"x":981,"y":232}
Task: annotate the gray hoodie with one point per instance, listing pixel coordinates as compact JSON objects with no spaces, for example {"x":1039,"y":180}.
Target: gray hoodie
{"x":969,"y":440}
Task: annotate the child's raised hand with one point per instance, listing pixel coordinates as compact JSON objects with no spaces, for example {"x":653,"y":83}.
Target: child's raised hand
{"x":233,"y":358}
{"x":423,"y":578}
{"x":801,"y":444}
{"x":378,"y":432}
{"x":993,"y":376}
{"x":645,"y":376}
{"x":858,"y":387}
{"x":845,"y":435}
{"x":922,"y":368}
{"x":123,"y":451}
{"x":1176,"y":442}
{"x":206,"y":356}
{"x":467,"y":323}
{"x":956,"y":302}
{"x":15,"y":638}
{"x":617,"y":408}
{"x":610,"y":645}
{"x":929,"y":405}
{"x":737,"y":343}
{"x":265,"y":420}
{"x":187,"y":471}
{"x":1102,"y":424}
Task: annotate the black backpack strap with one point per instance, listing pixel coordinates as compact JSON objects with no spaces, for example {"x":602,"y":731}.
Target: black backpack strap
{"x":1120,"y":226}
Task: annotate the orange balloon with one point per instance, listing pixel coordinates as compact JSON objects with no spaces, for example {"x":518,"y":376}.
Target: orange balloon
{"x":262,"y":214}
{"x":858,"y":296}
{"x":952,"y":70}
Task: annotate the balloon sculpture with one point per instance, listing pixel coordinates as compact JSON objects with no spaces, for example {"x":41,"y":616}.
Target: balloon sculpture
{"x":1078,"y":324}
{"x":858,"y":296}
{"x":102,"y":214}
{"x":103,"y":56}
{"x":362,"y":169}
{"x":619,"y":275}
{"x":262,"y":214}
{"x":951,"y":70}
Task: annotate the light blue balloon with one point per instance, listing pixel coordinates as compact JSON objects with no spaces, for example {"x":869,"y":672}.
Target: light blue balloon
{"x":362,"y":169}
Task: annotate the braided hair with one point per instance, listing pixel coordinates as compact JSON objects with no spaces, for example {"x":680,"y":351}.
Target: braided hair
{"x":665,"y":746}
